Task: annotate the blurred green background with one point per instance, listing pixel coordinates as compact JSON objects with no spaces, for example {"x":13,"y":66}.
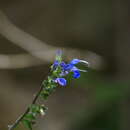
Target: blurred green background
{"x":98,"y":31}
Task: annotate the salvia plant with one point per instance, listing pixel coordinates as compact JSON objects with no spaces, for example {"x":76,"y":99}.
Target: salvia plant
{"x":56,"y":77}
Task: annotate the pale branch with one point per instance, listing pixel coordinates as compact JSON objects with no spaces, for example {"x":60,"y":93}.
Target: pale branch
{"x":24,"y":40}
{"x":38,"y":48}
{"x":16,"y":61}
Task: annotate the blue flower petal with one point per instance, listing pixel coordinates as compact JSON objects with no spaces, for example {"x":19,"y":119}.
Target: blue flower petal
{"x":61,"y":81}
{"x":74,"y":61}
{"x":56,"y":63}
{"x":59,"y":52}
{"x":63,"y":64}
{"x":74,"y":69}
{"x":76,"y":74}
{"x":64,"y":73}
{"x":68,"y":67}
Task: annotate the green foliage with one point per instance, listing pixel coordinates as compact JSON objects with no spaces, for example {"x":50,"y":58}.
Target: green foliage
{"x":27,"y":124}
{"x":30,"y":116}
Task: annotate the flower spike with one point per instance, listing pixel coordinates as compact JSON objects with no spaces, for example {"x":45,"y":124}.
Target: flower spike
{"x":65,"y":68}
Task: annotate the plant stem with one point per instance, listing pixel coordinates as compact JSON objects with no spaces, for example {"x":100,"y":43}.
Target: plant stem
{"x":11,"y":127}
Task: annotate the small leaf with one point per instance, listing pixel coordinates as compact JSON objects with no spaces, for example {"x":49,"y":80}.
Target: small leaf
{"x":30,"y":116}
{"x":50,"y":89}
{"x":27,"y":124}
{"x":44,"y":83}
{"x":55,"y":73}
{"x":44,"y":94}
{"x":35,"y":108}
{"x":49,"y":79}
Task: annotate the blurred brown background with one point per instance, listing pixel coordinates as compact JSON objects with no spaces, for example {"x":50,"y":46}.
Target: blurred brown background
{"x":98,"y":31}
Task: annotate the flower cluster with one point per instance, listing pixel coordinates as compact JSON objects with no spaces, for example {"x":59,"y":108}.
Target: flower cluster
{"x":65,"y":68}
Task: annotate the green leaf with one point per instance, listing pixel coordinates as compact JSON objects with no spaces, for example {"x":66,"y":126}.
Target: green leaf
{"x":44,"y":83}
{"x":50,"y":88}
{"x":30,"y":116}
{"x":55,"y":73}
{"x":49,"y":79}
{"x":35,"y":108}
{"x":59,"y":57}
{"x":27,"y":124}
{"x":43,"y":107}
{"x":44,"y":94}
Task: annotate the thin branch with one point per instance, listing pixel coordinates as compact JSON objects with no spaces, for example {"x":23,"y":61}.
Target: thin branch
{"x":16,"y":61}
{"x":11,"y":127}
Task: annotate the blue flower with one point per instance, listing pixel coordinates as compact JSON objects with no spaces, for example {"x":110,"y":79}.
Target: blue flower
{"x":61,"y":81}
{"x":68,"y":67}
{"x":56,"y":63}
{"x":75,"y":69}
{"x":62,"y":64}
{"x":64,"y":73}
{"x":76,"y":74}
{"x":76,"y":61}
{"x":58,"y":53}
